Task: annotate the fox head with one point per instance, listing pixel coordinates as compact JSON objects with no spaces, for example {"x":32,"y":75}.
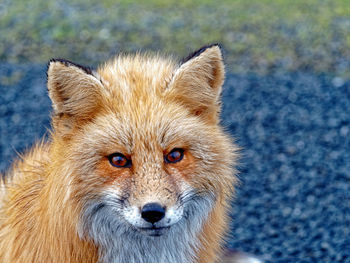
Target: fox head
{"x":141,"y":151}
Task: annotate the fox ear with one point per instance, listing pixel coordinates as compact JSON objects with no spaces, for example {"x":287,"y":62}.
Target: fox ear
{"x":198,"y":82}
{"x":73,"y":90}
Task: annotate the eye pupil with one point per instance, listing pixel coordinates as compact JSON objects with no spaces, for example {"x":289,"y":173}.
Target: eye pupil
{"x":174,"y":156}
{"x":119,"y":160}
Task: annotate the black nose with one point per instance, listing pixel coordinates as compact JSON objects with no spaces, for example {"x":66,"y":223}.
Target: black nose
{"x":152,"y":212}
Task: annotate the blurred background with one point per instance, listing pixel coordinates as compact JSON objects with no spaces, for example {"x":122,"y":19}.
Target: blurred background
{"x":286,"y":99}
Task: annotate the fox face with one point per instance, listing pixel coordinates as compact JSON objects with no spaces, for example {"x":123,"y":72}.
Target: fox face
{"x":144,"y":159}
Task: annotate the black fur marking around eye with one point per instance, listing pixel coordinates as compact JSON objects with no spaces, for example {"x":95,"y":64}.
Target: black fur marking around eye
{"x":68,"y":63}
{"x":198,"y":52}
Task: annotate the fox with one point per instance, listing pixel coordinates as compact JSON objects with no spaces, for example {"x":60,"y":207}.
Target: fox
{"x":136,"y":166}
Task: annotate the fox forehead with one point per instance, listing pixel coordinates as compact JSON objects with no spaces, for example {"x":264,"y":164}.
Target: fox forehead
{"x":135,"y":106}
{"x":137,"y":76}
{"x":152,"y":129}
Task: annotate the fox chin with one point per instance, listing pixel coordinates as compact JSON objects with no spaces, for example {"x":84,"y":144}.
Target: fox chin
{"x":137,"y":167}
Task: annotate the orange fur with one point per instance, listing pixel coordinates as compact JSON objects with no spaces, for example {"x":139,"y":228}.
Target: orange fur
{"x":142,"y":106}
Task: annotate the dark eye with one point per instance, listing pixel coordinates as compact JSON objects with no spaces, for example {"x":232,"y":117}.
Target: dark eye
{"x":174,"y":156}
{"x":119,"y":160}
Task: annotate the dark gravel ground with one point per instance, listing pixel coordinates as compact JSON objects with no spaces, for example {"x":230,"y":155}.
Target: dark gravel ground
{"x":293,"y":203}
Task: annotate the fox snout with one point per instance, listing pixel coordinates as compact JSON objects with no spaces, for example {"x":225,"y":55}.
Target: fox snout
{"x":153,"y":216}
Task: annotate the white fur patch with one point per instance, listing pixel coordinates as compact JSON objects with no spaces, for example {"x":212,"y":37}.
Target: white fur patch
{"x":132,"y":214}
{"x":111,"y":226}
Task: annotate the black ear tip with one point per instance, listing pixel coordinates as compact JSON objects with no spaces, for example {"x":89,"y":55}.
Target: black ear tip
{"x":58,"y":60}
{"x":215,"y":45}
{"x":69,"y":63}
{"x":200,"y":51}
{"x":52,"y":60}
{"x":55,"y":60}
{"x":62,"y":61}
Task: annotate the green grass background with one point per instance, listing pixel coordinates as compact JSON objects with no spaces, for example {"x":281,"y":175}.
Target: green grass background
{"x":257,"y":35}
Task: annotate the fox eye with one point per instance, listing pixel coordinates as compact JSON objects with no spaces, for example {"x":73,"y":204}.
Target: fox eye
{"x":119,"y":160}
{"x":174,"y":156}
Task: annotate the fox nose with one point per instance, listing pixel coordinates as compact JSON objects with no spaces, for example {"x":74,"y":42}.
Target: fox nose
{"x":152,"y":212}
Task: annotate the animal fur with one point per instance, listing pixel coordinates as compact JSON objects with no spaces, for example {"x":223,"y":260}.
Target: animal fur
{"x":64,"y":202}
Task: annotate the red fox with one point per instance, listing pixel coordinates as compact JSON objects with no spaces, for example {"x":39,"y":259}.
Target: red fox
{"x":136,"y":168}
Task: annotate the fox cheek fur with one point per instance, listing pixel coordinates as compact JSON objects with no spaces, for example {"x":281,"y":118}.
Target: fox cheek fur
{"x":84,"y":208}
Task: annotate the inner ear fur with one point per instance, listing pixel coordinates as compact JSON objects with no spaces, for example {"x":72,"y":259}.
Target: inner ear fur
{"x":197,"y":83}
{"x":73,"y":90}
